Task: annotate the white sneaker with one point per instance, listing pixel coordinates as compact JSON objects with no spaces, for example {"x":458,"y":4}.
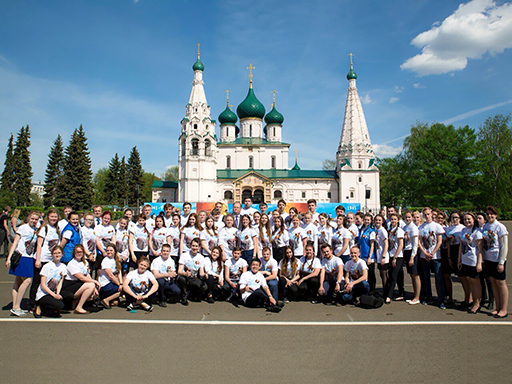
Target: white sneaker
{"x":413,"y":302}
{"x":18,"y":312}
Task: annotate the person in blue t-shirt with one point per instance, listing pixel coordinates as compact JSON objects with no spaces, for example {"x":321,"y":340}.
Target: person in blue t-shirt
{"x":366,"y":246}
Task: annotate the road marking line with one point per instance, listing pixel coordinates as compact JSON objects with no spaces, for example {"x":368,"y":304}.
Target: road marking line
{"x":250,"y":323}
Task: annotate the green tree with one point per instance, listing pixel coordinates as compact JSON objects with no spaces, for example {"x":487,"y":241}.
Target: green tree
{"x":53,"y":172}
{"x":329,"y":165}
{"x":22,"y":168}
{"x":135,"y":175}
{"x":113,"y":181}
{"x":76,"y":189}
{"x":495,"y":162}
{"x":145,"y":192}
{"x":171,"y":173}
{"x":8,"y":176}
{"x":123,"y":183}
{"x":392,"y":186}
{"x":98,"y":182}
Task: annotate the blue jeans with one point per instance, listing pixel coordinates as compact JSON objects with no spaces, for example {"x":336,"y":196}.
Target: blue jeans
{"x":426,"y":268}
{"x":273,"y":286}
{"x":357,"y":290}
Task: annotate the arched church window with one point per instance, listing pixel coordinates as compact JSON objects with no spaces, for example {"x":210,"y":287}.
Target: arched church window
{"x":228,"y":195}
{"x":274,"y":129}
{"x":258,"y":196}
{"x":278,"y":195}
{"x":228,"y":162}
{"x":360,"y":165}
{"x":195,"y":126}
{"x":273,"y":162}
{"x":360,"y":179}
{"x":207,"y":148}
{"x":250,"y":130}
{"x":251,"y":162}
{"x":351,"y":194}
{"x":183,"y":147}
{"x":195,"y":147}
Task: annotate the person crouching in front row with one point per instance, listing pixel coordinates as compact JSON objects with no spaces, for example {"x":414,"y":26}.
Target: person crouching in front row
{"x":356,"y":277}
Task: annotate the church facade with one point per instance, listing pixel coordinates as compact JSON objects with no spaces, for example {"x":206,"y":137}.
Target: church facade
{"x":250,"y":158}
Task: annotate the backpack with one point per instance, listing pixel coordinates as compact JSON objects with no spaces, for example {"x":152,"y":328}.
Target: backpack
{"x":371,"y":301}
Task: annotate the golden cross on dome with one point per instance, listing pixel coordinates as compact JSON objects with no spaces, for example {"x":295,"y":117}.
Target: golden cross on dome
{"x":227,"y":91}
{"x":198,"y":47}
{"x":351,"y":54}
{"x":250,"y":68}
{"x":273,"y":98}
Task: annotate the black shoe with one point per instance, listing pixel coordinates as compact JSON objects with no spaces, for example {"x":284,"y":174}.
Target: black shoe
{"x":273,"y":308}
{"x":490,"y":305}
{"x":210,"y":300}
{"x":496,"y":316}
{"x":184,"y":301}
{"x":280,"y":304}
{"x":162,"y":304}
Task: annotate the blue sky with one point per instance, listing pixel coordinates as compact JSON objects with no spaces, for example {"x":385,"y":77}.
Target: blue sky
{"x":123,"y":69}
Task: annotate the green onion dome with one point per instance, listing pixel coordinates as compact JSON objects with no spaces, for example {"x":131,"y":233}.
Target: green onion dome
{"x":228,"y":117}
{"x":250,"y":107}
{"x":351,"y":75}
{"x":274,"y":117}
{"x":198,"y":66}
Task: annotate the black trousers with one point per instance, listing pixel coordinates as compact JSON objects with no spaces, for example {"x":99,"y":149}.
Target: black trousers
{"x":257,"y":299}
{"x":309,"y":287}
{"x":168,"y":289}
{"x":194,"y":285}
{"x":220,"y":293}
{"x":4,"y":242}
{"x":291,"y":292}
{"x":36,"y":280}
{"x":372,"y":279}
{"x":49,"y":305}
{"x":393,"y":273}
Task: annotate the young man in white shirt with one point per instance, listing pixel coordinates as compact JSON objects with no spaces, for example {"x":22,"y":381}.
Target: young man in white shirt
{"x":248,"y":209}
{"x":254,"y":289}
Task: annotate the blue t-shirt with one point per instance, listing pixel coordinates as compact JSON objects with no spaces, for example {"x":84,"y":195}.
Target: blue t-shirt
{"x":366,"y":234}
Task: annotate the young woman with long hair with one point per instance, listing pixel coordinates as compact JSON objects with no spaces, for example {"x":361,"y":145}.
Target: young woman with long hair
{"x":298,"y":237}
{"x":367,"y":248}
{"x":453,"y":234}
{"x":209,"y":237}
{"x":110,"y":277}
{"x":324,"y":232}
{"x":227,"y":237}
{"x":381,"y":249}
{"x":341,"y":240}
{"x":309,"y":281}
{"x":289,"y":267}
{"x":264,"y":234}
{"x":214,"y":275}
{"x":247,"y":239}
{"x":140,"y":286}
{"x":138,"y":241}
{"x":157,"y":238}
{"x":280,"y":237}
{"x":411,"y":256}
{"x":191,"y":230}
{"x":396,"y":245}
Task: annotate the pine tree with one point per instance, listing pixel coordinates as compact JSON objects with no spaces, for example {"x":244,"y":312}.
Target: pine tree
{"x":123,"y":188}
{"x":53,"y":172}
{"x":135,"y":175}
{"x":76,"y":189}
{"x":113,"y":180}
{"x":22,"y":168}
{"x":8,"y":176}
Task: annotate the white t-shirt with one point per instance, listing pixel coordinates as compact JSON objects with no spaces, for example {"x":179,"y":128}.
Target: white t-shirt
{"x":192,"y":263}
{"x":410,"y":231}
{"x":308,"y":266}
{"x":168,"y":222}
{"x":150,"y":225}
{"x":245,"y":239}
{"x":354,"y":233}
{"x":212,"y":268}
{"x":268,"y":266}
{"x":454,"y":232}
{"x":289,"y":269}
{"x":249,"y":211}
{"x":105,"y":233}
{"x":324,"y":235}
{"x":159,"y":238}
{"x":338,"y":238}
{"x":106,"y":263}
{"x":279,"y":239}
{"x":393,"y":236}
{"x":130,"y":225}
{"x":428,"y":238}
{"x":139,"y":283}
{"x":331,"y":266}
{"x":469,"y":243}
{"x":27,"y":243}
{"x":265,"y":240}
{"x":227,"y":240}
{"x":122,"y":237}
{"x":50,"y":240}
{"x":219,"y":224}
{"x":189,"y":234}
{"x":163,"y":266}
{"x":312,"y":235}
{"x":54,"y":274}
{"x":140,"y":239}
{"x":380,"y":236}
{"x":62,"y":224}
{"x":211,"y":239}
{"x":175,"y":233}
{"x":235,"y":268}
{"x":253,"y":281}
{"x":297,"y":236}
{"x":75,"y":267}
{"x":355,"y":270}
{"x":89,"y":239}
{"x":492,"y":244}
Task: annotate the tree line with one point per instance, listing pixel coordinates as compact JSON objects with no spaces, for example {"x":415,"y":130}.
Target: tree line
{"x":69,"y":178}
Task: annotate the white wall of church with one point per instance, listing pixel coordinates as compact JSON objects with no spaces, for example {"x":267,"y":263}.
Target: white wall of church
{"x":353,"y":187}
{"x":262,"y":157}
{"x":160,"y":195}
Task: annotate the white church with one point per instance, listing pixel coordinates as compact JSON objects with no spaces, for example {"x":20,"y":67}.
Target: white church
{"x":251,"y":159}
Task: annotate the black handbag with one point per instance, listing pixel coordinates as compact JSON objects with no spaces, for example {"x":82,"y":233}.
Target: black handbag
{"x":15,"y":259}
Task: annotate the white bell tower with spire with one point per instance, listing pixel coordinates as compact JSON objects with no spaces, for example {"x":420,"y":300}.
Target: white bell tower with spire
{"x":197,"y":157}
{"x":358,"y":176}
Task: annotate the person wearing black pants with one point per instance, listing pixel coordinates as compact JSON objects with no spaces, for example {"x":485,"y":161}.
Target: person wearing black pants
{"x":4,"y":231}
{"x":254,"y":289}
{"x":309,"y":281}
{"x":164,"y":269}
{"x":190,"y":273}
{"x":396,"y":244}
{"x":49,"y":301}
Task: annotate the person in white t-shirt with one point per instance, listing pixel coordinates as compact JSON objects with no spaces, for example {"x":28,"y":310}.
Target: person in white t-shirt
{"x":157,"y":238}
{"x":331,"y":275}
{"x":298,"y":237}
{"x":149,"y":222}
{"x":356,"y":277}
{"x":264,"y":232}
{"x":169,"y":211}
{"x":209,"y":237}
{"x":173,"y":237}
{"x":110,"y":278}
{"x":187,"y":210}
{"x":164,"y":270}
{"x":227,"y":237}
{"x":247,"y":209}
{"x":105,"y":234}
{"x":122,"y":240}
{"x":341,"y":238}
{"x":430,"y":241}
{"x":214,"y":275}
{"x":381,"y":249}
{"x":411,"y":255}
{"x":324,"y":232}
{"x":289,"y":274}
{"x":140,"y":286}
{"x":233,"y":269}
{"x":191,"y":273}
{"x":495,"y":236}
{"x":89,"y":239}
{"x":191,"y":230}
{"x":247,"y":239}
{"x":309,"y":281}
{"x":396,"y":245}
{"x":49,"y":301}
{"x":470,"y":260}
{"x":280,"y":238}
{"x":311,"y":230}
{"x":254,"y":289}
{"x":138,"y":241}
{"x":64,"y":221}
{"x":269,"y":269}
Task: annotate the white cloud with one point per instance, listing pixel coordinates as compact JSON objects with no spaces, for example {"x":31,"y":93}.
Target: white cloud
{"x":384,"y":150}
{"x":419,"y":86}
{"x":393,"y":100}
{"x":398,"y":89}
{"x":475,"y":112}
{"x":366,"y":99}
{"x":474,"y":29}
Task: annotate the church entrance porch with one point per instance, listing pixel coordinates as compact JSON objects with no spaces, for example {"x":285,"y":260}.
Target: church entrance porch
{"x":253,"y":185}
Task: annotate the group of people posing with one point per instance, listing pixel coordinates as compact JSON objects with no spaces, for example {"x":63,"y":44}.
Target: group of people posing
{"x":255,"y":258}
